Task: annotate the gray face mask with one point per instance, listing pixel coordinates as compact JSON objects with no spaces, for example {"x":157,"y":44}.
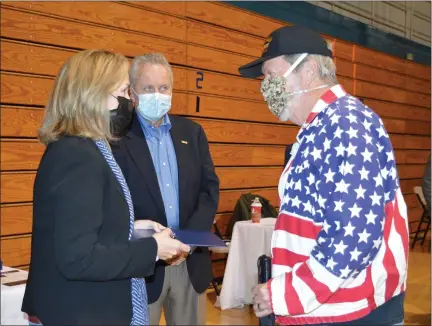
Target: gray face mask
{"x":273,"y":89}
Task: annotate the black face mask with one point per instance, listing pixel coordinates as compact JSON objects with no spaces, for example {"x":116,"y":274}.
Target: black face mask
{"x":121,"y":117}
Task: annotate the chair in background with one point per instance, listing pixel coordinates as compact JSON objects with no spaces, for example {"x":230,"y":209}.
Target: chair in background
{"x":425,"y":218}
{"x":218,"y":280}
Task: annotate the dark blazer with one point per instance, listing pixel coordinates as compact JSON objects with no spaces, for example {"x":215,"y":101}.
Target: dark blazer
{"x":198,"y":191}
{"x":81,"y":259}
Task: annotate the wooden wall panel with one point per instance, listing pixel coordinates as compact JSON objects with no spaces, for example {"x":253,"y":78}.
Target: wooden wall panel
{"x":247,"y":133}
{"x":16,"y":219}
{"x":215,"y":60}
{"x":20,"y":122}
{"x":233,"y":109}
{"x":114,"y":15}
{"x":25,"y":90}
{"x":167,"y":7}
{"x":16,"y":187}
{"x":408,"y":185}
{"x":247,"y":155}
{"x":411,"y":171}
{"x":381,"y":92}
{"x":16,"y":251}
{"x":407,"y":127}
{"x":247,"y":142}
{"x":248,"y":177}
{"x":42,"y":29}
{"x":342,"y":49}
{"x":20,"y":155}
{"x":399,"y":111}
{"x":220,"y":38}
{"x":410,"y":142}
{"x":230,"y":17}
{"x":384,"y":77}
{"x":24,"y":57}
{"x":344,"y":68}
{"x":387,"y":62}
{"x":418,"y":70}
{"x":347,"y":84}
{"x":412,"y":156}
{"x":229,"y":86}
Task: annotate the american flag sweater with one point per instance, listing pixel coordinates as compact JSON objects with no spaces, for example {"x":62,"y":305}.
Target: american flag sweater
{"x":340,"y":245}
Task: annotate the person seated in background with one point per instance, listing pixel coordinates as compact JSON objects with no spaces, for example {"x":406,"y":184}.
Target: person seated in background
{"x":167,"y":164}
{"x":84,"y":269}
{"x":340,"y":245}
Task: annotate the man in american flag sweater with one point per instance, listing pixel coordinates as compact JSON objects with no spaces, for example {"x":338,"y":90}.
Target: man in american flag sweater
{"x":340,"y":245}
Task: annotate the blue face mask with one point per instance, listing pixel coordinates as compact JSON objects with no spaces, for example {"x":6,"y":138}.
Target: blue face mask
{"x":153,"y":106}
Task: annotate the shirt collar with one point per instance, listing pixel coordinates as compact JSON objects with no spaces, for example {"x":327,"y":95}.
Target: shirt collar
{"x":332,"y":95}
{"x":146,"y":125}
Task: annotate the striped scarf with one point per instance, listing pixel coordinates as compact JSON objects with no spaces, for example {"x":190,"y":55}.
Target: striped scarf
{"x":140,"y":314}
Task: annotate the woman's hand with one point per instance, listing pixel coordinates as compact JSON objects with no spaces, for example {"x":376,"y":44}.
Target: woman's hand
{"x":148,"y":225}
{"x":168,"y":248}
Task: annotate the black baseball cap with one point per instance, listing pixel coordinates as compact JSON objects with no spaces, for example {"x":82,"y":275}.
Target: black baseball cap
{"x":285,"y":41}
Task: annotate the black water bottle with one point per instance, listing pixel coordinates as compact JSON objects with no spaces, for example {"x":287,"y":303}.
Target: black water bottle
{"x":264,"y":275}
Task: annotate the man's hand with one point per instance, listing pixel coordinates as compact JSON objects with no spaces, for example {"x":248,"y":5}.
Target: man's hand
{"x":169,"y":247}
{"x":261,"y":300}
{"x":177,"y":260}
{"x":148,"y":225}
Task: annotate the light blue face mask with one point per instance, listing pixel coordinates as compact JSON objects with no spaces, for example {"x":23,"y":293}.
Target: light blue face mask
{"x":153,"y":106}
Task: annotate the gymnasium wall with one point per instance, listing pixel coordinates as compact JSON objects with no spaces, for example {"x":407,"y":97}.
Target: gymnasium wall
{"x":205,"y":42}
{"x":408,"y":19}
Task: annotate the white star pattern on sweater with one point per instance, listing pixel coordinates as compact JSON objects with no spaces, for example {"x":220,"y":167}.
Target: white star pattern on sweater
{"x":352,"y":168}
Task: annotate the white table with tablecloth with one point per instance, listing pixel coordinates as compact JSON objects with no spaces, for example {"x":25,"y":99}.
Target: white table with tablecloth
{"x":12,"y":293}
{"x":249,"y":241}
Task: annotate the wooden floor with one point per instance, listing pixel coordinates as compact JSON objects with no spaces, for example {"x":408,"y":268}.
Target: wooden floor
{"x":417,"y":303}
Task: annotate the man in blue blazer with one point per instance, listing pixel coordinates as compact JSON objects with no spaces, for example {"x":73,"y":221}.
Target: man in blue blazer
{"x":167,"y":164}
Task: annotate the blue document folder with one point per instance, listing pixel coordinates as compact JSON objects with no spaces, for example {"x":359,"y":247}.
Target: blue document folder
{"x":190,"y":237}
{"x":199,"y":238}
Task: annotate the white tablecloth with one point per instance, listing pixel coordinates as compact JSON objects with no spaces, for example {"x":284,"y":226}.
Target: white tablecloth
{"x":249,"y":241}
{"x":12,"y":296}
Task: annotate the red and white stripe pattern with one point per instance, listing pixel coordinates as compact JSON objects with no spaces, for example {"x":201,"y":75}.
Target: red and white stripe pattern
{"x":340,"y":245}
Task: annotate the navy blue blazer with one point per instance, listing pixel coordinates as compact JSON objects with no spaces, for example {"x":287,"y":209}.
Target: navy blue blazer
{"x":198,"y":191}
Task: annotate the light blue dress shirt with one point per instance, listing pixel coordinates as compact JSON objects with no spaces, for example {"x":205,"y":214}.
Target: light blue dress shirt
{"x":164,"y":159}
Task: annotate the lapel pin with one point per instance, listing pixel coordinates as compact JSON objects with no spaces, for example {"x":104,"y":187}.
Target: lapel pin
{"x":184,"y":141}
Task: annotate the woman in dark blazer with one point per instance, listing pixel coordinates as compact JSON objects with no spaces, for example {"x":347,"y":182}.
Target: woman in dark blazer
{"x":85,"y":269}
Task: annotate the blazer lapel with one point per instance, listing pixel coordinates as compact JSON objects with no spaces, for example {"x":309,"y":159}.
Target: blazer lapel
{"x":137,"y":146}
{"x":181,"y":148}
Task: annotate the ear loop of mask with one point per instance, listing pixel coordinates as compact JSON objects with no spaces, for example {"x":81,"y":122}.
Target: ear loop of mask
{"x":295,"y":64}
{"x":309,"y":90}
{"x":134,"y":91}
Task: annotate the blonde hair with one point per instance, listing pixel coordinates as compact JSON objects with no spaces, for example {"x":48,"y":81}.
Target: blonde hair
{"x":77,"y":104}
{"x":150,"y":58}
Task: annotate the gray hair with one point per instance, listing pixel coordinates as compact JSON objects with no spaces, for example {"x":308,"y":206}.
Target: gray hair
{"x":151,"y":58}
{"x":326,"y":65}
